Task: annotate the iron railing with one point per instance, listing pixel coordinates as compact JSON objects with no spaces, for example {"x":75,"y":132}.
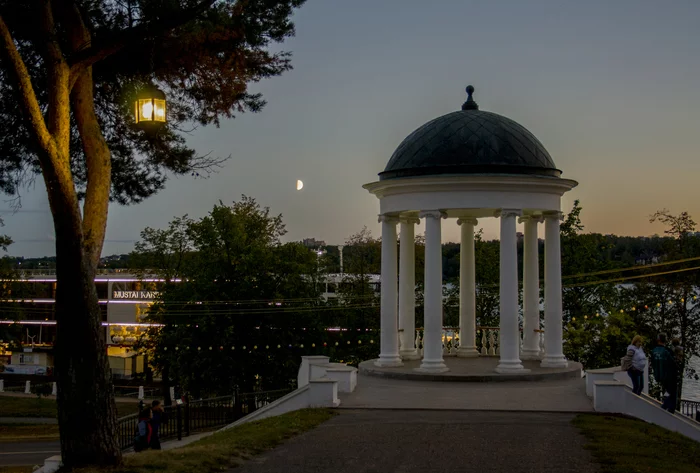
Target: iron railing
{"x":181,"y":420}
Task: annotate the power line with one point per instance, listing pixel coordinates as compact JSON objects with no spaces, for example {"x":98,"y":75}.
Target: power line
{"x":631,"y":268}
{"x":607,"y":281}
{"x":280,"y":309}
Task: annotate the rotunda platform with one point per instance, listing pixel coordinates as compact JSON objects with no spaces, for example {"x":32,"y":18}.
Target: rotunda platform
{"x":472,"y":370}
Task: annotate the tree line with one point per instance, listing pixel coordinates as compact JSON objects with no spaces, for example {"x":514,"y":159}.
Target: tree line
{"x":246,"y":306}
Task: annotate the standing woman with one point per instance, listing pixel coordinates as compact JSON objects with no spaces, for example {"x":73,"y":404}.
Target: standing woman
{"x":634,"y":363}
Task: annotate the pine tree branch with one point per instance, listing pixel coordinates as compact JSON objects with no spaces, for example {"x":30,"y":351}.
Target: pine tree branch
{"x":55,"y":165}
{"x":58,"y":112}
{"x":104,"y":48}
{"x":95,"y":149}
{"x":22,"y":82}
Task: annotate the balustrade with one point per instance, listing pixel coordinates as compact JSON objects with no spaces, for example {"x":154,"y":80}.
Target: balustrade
{"x":487,"y":341}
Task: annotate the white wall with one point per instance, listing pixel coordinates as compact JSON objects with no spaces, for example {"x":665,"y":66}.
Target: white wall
{"x":615,"y":397}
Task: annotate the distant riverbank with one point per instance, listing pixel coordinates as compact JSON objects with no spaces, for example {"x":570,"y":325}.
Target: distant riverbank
{"x":691,"y":387}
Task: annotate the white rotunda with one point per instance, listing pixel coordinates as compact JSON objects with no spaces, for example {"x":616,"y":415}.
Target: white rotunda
{"x":468,"y":165}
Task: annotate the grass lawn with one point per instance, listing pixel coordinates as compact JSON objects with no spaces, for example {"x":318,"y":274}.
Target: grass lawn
{"x":28,"y":432}
{"x":623,"y":445}
{"x":223,"y":450}
{"x":11,"y":406}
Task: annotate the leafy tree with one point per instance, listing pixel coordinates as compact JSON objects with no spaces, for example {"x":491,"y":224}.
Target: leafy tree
{"x":599,"y":341}
{"x":163,"y":250}
{"x":221,"y":324}
{"x":10,"y":334}
{"x":677,"y":313}
{"x":69,"y":73}
{"x":679,"y":227}
{"x":593,"y":332}
{"x":582,"y":253}
{"x":487,"y":254}
{"x":356,"y":291}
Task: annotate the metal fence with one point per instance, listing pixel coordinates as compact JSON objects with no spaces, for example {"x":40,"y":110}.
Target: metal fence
{"x":181,"y":420}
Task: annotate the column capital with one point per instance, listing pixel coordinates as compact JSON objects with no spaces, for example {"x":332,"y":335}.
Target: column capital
{"x":531,"y":218}
{"x":508,"y":213}
{"x":555,"y":214}
{"x":437,"y":214}
{"x":383,"y":218}
{"x":409,"y":220}
{"x":467,"y":220}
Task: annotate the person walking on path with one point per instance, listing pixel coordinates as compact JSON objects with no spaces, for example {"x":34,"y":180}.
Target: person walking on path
{"x":159,"y":418}
{"x":663,"y":364}
{"x":144,"y":431}
{"x":634,"y":363}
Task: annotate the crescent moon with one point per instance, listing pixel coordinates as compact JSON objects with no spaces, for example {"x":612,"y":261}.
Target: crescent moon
{"x":300,"y":185}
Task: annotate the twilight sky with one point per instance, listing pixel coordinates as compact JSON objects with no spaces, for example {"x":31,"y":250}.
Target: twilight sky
{"x":610,"y":89}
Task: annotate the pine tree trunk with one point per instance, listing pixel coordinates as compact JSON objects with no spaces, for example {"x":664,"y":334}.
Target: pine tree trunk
{"x":86,"y":408}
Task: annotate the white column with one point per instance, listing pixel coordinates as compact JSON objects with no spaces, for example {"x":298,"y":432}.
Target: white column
{"x":509,"y":334}
{"x":432,"y":294}
{"x":553,"y":330}
{"x":467,"y":290}
{"x":407,"y":290}
{"x":531,"y":290}
{"x":389,"y":340}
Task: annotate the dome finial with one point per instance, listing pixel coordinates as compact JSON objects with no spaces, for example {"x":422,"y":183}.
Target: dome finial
{"x":470,"y":104}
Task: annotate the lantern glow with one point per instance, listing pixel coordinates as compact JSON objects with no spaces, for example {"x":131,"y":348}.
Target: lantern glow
{"x":150,"y":107}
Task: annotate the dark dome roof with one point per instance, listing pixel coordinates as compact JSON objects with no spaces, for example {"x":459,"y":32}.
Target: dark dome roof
{"x":470,"y":141}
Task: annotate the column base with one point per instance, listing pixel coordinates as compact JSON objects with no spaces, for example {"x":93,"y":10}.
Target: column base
{"x":531,"y":355}
{"x":388,"y":361}
{"x":437,"y":366}
{"x":467,"y":352}
{"x":511,"y":366}
{"x":408,"y":355}
{"x":554,"y":361}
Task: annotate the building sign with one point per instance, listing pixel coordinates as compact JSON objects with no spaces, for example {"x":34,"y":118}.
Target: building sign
{"x":136,"y":295}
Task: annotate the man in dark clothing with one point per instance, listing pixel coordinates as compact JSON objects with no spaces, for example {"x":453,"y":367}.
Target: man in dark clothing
{"x":663,"y":365}
{"x":156,"y":421}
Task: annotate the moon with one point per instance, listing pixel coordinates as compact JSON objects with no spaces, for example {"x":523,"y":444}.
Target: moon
{"x":300,"y":185}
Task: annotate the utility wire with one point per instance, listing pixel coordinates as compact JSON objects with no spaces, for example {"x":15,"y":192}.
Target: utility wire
{"x":324,"y":308}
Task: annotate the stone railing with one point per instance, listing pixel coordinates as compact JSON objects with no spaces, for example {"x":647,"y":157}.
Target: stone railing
{"x":487,"y":340}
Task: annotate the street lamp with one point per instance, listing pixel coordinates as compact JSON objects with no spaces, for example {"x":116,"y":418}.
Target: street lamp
{"x":150,"y":107}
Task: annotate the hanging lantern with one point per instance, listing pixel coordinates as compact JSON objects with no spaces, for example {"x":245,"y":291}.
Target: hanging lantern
{"x":149,"y":107}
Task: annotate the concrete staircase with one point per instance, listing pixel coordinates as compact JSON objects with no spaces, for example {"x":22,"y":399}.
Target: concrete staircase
{"x":318,"y":383}
{"x":611,"y":393}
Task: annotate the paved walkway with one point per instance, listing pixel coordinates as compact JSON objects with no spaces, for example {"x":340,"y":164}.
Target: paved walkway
{"x":27,"y":453}
{"x":568,"y":395}
{"x":363,"y":441}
